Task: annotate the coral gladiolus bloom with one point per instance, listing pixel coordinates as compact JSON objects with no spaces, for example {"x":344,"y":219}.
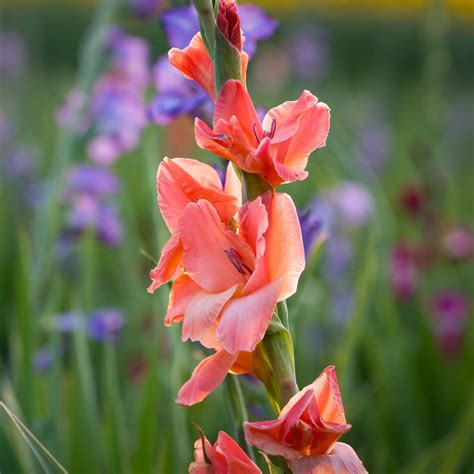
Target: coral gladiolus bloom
{"x":277,"y":149}
{"x":225,"y":457}
{"x":232,"y":281}
{"x":179,"y":182}
{"x":195,"y":63}
{"x":307,"y":429}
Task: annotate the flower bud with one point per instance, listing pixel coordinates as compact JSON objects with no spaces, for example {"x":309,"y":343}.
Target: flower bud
{"x":228,"y":22}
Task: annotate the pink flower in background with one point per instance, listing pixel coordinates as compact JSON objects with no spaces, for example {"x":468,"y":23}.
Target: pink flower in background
{"x":307,"y":430}
{"x":458,"y":243}
{"x":413,"y":199}
{"x":450,"y":310}
{"x":352,"y":202}
{"x":277,"y":149}
{"x":225,"y":457}
{"x":403,"y":271}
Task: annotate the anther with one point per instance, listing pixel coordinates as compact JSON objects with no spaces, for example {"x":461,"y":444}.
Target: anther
{"x":237,"y":261}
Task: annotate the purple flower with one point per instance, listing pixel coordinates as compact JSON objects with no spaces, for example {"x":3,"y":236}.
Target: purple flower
{"x":352,"y":202}
{"x":374,"y":143}
{"x":309,"y":53}
{"x":257,"y":25}
{"x":90,"y":180}
{"x":129,"y":58}
{"x":180,"y":25}
{"x":177,"y":95}
{"x":338,"y":256}
{"x":450,"y":310}
{"x":104,"y":325}
{"x":118,"y":115}
{"x":315,"y":221}
{"x":146,"y":9}
{"x":67,"y":115}
{"x":12,"y":55}
{"x":42,"y":360}
{"x":67,"y":322}
{"x":108,"y":226}
{"x":87,"y":188}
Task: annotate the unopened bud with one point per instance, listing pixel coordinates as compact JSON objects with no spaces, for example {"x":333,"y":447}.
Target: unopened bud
{"x":228,"y":22}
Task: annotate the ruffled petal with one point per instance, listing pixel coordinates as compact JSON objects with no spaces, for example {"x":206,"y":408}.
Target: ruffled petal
{"x":302,"y":126}
{"x":341,"y":460}
{"x":170,"y":259}
{"x":206,"y":377}
{"x":183,"y":180}
{"x":214,"y":257}
{"x":244,"y":320}
{"x":268,"y":435}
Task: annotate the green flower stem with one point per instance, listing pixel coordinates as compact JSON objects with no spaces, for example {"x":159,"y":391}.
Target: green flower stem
{"x":207,"y":23}
{"x":237,"y":410}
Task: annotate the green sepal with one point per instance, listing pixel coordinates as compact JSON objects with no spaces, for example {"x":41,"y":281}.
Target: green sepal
{"x":253,"y":186}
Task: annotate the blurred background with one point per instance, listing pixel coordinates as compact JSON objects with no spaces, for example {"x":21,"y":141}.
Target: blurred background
{"x":386,"y":213}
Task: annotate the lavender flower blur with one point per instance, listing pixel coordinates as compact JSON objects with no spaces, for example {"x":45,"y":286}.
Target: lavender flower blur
{"x":178,"y":96}
{"x":104,"y":325}
{"x":87,"y":192}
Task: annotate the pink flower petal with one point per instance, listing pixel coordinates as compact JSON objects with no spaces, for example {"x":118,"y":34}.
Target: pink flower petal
{"x":341,"y":460}
{"x":206,"y":377}
{"x":244,"y":320}
{"x":170,"y":259}
{"x":211,"y":253}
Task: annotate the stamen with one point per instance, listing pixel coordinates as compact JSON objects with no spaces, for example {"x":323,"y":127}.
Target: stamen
{"x":272,"y":131}
{"x":255,"y":133}
{"x":237,"y":261}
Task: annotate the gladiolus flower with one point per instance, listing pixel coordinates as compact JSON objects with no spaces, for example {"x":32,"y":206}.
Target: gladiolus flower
{"x":228,"y":22}
{"x":179,"y":182}
{"x":277,"y":149}
{"x":228,"y":283}
{"x":307,"y":429}
{"x":225,"y":457}
{"x":233,"y":280}
{"x":195,"y":63}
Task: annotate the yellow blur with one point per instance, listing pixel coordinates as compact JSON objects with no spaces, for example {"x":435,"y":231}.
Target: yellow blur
{"x":463,"y":8}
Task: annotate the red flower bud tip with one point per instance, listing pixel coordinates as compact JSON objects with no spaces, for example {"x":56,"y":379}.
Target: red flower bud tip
{"x":228,"y":22}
